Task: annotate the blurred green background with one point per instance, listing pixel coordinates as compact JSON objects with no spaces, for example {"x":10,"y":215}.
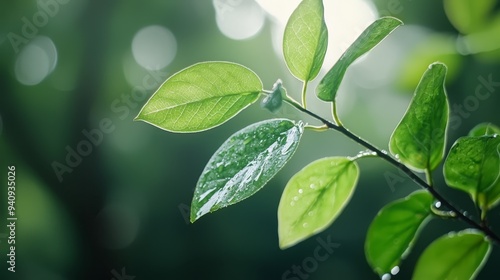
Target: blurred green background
{"x":74,"y":68}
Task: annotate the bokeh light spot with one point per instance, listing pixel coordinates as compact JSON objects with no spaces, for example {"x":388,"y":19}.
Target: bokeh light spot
{"x":239,"y":19}
{"x":154,"y":47}
{"x":36,"y":61}
{"x":345,"y":21}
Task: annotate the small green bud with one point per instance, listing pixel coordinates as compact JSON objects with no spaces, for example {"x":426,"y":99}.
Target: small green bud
{"x":274,"y":100}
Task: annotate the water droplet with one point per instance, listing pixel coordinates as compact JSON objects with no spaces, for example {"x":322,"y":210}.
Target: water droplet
{"x":292,"y":203}
{"x":395,"y":270}
{"x":312,"y":186}
{"x":311,"y":213}
{"x":384,"y":152}
{"x":437,"y":204}
{"x":295,"y":198}
{"x":301,"y":190}
{"x":386,"y":276}
{"x":305,"y":225}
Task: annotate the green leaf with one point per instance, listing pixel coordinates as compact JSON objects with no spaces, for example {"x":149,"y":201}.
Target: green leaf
{"x":201,"y":97}
{"x":473,"y":166}
{"x":392,"y":233}
{"x":305,"y":40}
{"x":244,"y":164}
{"x":453,"y":256}
{"x":371,"y":36}
{"x":484,"y":129}
{"x":419,"y":139}
{"x":314,"y":197}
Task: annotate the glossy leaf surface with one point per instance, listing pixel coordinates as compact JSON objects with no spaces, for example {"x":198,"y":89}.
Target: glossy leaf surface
{"x":244,"y":164}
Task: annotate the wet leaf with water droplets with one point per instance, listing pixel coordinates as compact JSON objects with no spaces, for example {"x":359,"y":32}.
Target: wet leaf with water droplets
{"x":473,"y":166}
{"x":453,"y":256}
{"x":314,"y":197}
{"x":394,"y":229}
{"x":244,"y":164}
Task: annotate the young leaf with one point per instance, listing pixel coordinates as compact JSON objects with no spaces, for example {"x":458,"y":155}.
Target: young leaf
{"x":201,"y":97}
{"x":484,"y":129}
{"x":473,"y":166}
{"x":419,"y":139}
{"x":274,"y":100}
{"x":305,"y":40}
{"x":392,"y":233}
{"x":453,"y":256}
{"x":371,"y":36}
{"x":244,"y":164}
{"x":314,"y":197}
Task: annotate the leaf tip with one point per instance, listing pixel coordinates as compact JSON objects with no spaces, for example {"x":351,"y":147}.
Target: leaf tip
{"x":439,"y":65}
{"x":285,"y":243}
{"x":396,"y":21}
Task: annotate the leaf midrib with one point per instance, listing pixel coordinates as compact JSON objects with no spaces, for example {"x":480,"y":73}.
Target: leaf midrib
{"x":242,"y":94}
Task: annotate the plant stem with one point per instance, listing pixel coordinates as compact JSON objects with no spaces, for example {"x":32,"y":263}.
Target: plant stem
{"x":419,"y":181}
{"x":304,"y":91}
{"x":335,"y":115}
{"x":428,"y":176}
